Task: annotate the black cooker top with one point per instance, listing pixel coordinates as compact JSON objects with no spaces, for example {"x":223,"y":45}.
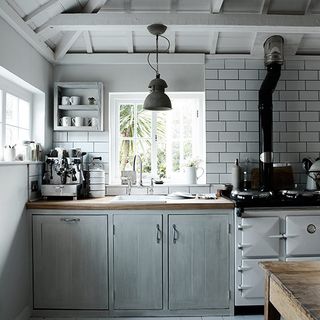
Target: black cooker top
{"x":282,"y":198}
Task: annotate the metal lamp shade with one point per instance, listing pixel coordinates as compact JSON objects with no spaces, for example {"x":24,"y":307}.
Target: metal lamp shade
{"x":157,"y":100}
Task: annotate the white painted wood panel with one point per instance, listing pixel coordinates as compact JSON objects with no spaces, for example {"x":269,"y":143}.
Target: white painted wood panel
{"x":70,"y":262}
{"x":198,"y":262}
{"x":137,"y":264}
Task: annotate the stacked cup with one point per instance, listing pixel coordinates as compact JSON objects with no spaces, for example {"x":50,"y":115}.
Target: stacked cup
{"x":97,"y":179}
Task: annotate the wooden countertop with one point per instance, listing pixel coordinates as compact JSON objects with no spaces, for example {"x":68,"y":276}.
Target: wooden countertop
{"x":292,"y":289}
{"x":105,"y":204}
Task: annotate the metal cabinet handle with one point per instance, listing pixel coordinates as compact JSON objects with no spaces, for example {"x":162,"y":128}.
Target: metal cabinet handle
{"x":158,"y":233}
{"x":175,"y":233}
{"x":70,"y":219}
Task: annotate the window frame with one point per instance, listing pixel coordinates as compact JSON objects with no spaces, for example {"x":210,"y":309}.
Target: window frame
{"x":134,"y":98}
{"x":8,"y":87}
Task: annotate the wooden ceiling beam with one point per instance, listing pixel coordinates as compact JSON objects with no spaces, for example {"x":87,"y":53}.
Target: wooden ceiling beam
{"x":213,"y":42}
{"x":47,"y":6}
{"x":216,"y":5}
{"x":308,"y":7}
{"x":17,"y":23}
{"x":87,"y":40}
{"x":93,"y":6}
{"x":66,"y":43}
{"x":265,"y":6}
{"x":111,"y":21}
{"x":130,"y":42}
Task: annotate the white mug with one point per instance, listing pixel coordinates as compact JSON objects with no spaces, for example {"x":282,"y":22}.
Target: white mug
{"x":77,"y":121}
{"x":87,"y":122}
{"x":65,"y":121}
{"x":94,"y":122}
{"x":65,"y":100}
{"x":74,"y":100}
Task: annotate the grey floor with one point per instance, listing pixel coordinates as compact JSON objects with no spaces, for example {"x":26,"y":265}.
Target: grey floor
{"x":259,"y":317}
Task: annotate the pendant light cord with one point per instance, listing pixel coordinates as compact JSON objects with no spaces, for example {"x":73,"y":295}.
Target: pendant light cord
{"x":157,"y":53}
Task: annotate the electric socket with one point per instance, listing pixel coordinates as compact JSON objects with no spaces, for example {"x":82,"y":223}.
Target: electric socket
{"x":34,"y":186}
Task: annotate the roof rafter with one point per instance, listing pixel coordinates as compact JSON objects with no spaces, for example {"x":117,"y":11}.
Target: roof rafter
{"x":265,"y":6}
{"x":87,"y":40}
{"x":15,"y":21}
{"x":47,"y":6}
{"x":130,"y":42}
{"x":213,"y":41}
{"x":216,"y":5}
{"x":106,"y":21}
{"x":93,"y":6}
{"x":66,"y":43}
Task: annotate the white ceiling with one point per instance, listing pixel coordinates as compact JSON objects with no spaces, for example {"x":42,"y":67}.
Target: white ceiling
{"x":60,"y":27}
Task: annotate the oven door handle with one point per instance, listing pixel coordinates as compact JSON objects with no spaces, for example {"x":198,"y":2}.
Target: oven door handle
{"x":278,"y":236}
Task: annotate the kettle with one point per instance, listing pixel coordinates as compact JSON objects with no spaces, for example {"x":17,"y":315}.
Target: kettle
{"x":313,"y":173}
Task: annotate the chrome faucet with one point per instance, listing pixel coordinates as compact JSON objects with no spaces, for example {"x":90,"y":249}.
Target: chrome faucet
{"x":151,"y":188}
{"x":134,"y":168}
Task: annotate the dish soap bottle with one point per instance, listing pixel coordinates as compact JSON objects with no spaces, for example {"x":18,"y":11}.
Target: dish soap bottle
{"x":236,"y":174}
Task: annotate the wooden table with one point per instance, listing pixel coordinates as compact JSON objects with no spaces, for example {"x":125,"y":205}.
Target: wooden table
{"x":292,"y":290}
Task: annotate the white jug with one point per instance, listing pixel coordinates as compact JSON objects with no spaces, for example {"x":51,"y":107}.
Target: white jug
{"x":190,"y":174}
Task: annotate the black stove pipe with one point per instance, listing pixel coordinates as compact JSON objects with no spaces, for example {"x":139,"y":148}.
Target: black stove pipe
{"x":265,"y":126}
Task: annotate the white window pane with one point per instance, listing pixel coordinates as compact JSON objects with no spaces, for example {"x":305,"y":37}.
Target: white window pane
{"x":12,"y":135}
{"x":24,"y":114}
{"x":12,"y":110}
{"x":24,"y":135}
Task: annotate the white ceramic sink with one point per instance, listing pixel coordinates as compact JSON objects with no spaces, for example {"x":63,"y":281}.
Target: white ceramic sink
{"x":140,"y":199}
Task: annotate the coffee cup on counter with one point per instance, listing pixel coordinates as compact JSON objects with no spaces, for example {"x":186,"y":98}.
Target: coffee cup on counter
{"x":65,"y":121}
{"x":77,"y":121}
{"x":65,"y":100}
{"x":74,"y":100}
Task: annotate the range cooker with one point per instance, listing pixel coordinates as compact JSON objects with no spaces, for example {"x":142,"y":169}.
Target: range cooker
{"x":283,"y":225}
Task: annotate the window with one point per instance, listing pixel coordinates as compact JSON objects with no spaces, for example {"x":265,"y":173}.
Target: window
{"x":15,"y":113}
{"x":164,"y":140}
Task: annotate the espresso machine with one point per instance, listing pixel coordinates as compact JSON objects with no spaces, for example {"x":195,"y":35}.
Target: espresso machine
{"x":63,"y":174}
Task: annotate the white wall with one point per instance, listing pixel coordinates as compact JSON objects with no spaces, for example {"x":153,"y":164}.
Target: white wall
{"x":15,"y":289}
{"x":121,"y":78}
{"x":18,"y":57}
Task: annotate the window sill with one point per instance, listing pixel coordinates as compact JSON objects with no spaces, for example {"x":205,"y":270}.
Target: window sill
{"x":18,"y":163}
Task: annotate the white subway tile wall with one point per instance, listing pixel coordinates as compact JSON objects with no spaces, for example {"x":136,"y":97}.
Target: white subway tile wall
{"x":233,"y":86}
{"x":94,"y":143}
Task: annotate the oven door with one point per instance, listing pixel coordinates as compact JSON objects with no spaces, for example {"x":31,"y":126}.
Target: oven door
{"x":303,"y":235}
{"x":260,"y":237}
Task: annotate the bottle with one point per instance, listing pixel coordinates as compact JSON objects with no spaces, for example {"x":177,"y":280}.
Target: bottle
{"x":236,"y":174}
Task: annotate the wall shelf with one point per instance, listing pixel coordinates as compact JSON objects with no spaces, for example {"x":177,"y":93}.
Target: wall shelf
{"x":79,"y":107}
{"x":84,"y":90}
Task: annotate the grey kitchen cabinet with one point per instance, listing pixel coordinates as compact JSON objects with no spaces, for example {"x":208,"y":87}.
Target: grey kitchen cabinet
{"x":137,"y":261}
{"x":199,"y":266}
{"x":70,"y":259}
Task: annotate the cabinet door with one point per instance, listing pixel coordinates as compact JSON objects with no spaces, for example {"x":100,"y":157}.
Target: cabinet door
{"x":70,"y":262}
{"x":198,"y":262}
{"x":137,"y":261}
{"x":260,"y":237}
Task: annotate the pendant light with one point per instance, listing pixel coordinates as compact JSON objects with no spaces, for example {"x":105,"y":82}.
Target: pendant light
{"x":157,"y":100}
